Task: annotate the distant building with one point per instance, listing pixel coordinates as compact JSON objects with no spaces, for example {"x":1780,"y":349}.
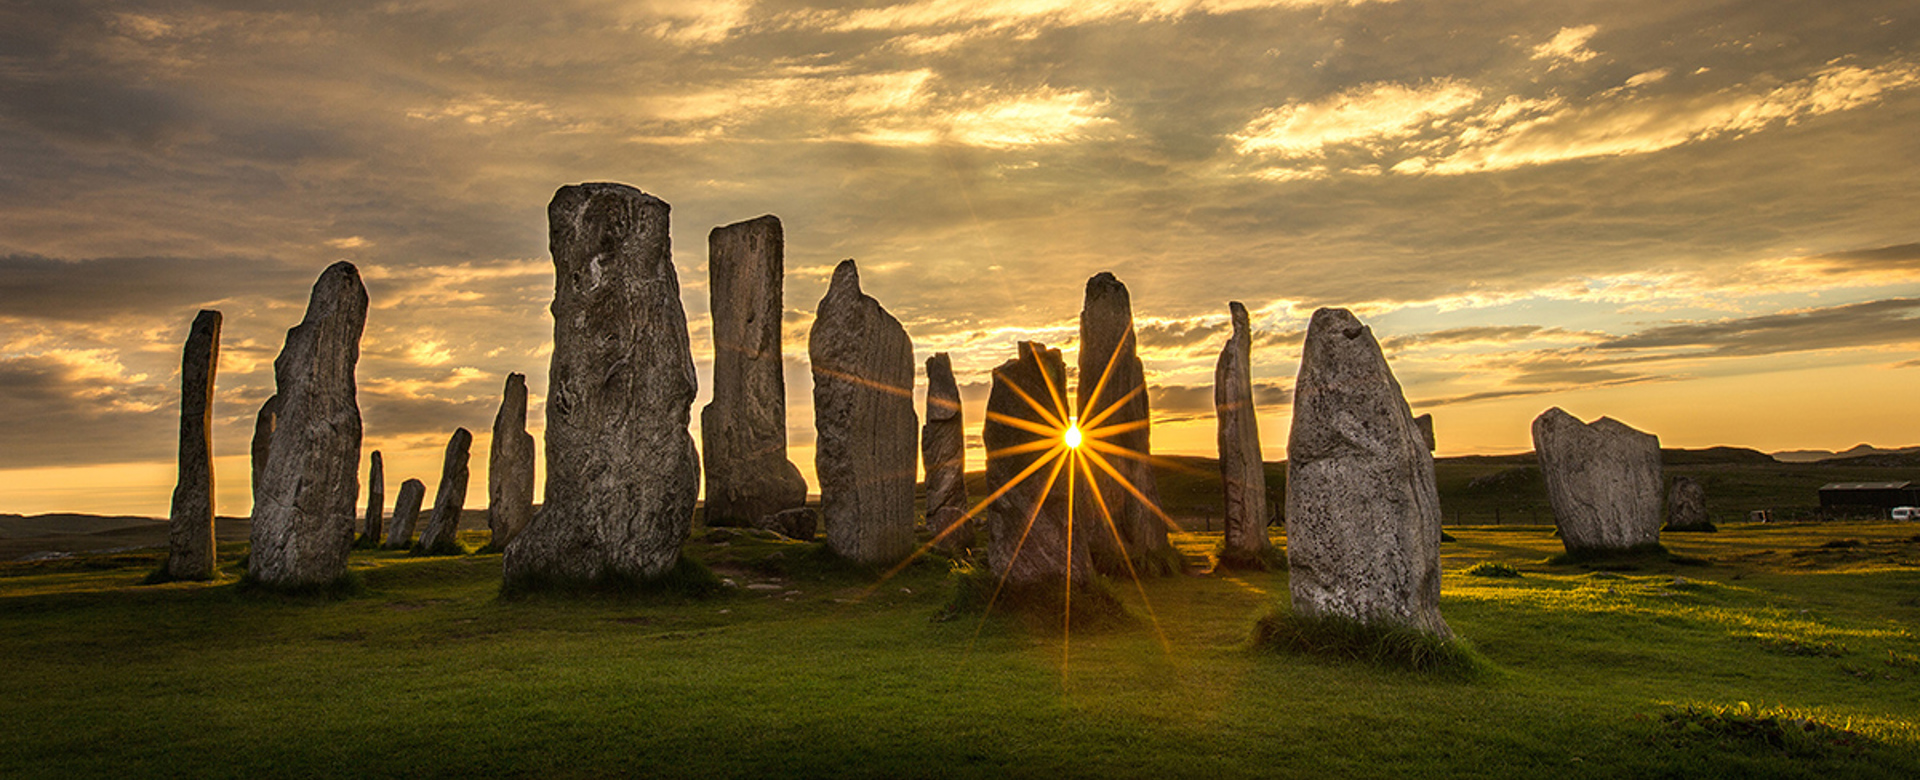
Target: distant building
{"x":1869,"y":495}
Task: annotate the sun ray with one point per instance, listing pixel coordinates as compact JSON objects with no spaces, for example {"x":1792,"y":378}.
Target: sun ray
{"x":1052,"y":477}
{"x":1017,"y":449}
{"x":865,"y":382}
{"x":1066,"y":591}
{"x":1105,"y":373}
{"x":1159,"y":462}
{"x":1036,"y":465}
{"x":1114,"y":429}
{"x":1106,"y":517}
{"x":1025,"y":425}
{"x":1059,"y":397}
{"x":1118,"y":403}
{"x":1058,"y":421}
{"x":1100,"y":461}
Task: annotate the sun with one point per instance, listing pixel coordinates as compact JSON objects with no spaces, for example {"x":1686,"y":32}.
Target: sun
{"x":1072,"y":436}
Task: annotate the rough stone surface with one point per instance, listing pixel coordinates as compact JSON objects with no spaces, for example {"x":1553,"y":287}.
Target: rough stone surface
{"x":262,"y":450}
{"x":510,"y":466}
{"x":1243,"y":475}
{"x":943,"y":454}
{"x":190,"y":530}
{"x":866,"y":437}
{"x":743,"y":431}
{"x":303,"y":525}
{"x":622,"y":471}
{"x":376,"y":501}
{"x":1687,"y":506}
{"x":1425,"y":424}
{"x":406,"y":514}
{"x":796,"y":523}
{"x":451,"y":497}
{"x":1031,"y":543}
{"x":1363,"y":516}
{"x":1112,"y":395}
{"x":1603,"y":480}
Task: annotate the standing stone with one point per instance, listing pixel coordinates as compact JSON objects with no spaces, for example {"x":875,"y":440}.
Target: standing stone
{"x":190,"y":530}
{"x":943,"y":453}
{"x":863,"y":412}
{"x":1425,"y":424}
{"x":1031,"y":542}
{"x":376,"y":502}
{"x":263,"y":423}
{"x":1687,"y":506}
{"x":743,"y":431}
{"x":622,"y":472}
{"x":510,"y":466}
{"x":1243,"y":475}
{"x":1363,"y":516}
{"x":1603,"y":480}
{"x":1113,"y":395}
{"x":406,"y":514}
{"x":303,"y":527}
{"x":442,"y":525}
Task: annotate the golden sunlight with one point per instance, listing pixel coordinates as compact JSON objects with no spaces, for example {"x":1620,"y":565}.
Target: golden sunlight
{"x":1072,"y":435}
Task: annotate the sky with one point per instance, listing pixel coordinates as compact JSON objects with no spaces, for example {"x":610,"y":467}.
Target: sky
{"x":1695,"y":217}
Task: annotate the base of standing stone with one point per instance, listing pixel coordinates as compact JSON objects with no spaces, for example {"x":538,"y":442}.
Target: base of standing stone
{"x":1041,"y":606}
{"x":1269,"y":559}
{"x":1696,"y":528}
{"x":1333,"y":636}
{"x":1655,"y":551}
{"x":445,"y":547}
{"x":688,"y":579}
{"x":346,"y":586}
{"x":164,"y":575}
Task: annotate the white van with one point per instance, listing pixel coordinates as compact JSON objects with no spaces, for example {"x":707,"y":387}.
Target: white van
{"x":1907,"y":513}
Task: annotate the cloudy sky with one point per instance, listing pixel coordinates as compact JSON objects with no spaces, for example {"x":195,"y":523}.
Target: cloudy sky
{"x":1696,"y":217}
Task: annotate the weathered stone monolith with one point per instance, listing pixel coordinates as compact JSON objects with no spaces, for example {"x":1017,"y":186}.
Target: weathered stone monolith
{"x":510,"y":466}
{"x":406,"y":515}
{"x":1112,"y":395}
{"x":440,"y":538}
{"x":866,"y":437}
{"x":796,"y":523}
{"x":1243,"y":474}
{"x":303,"y":527}
{"x":262,"y":449}
{"x":1363,"y":516}
{"x":376,"y":517}
{"x":622,"y":472}
{"x":190,"y":526}
{"x":1603,"y":480}
{"x":1030,"y":544}
{"x":943,"y":454}
{"x":1687,"y":506}
{"x":743,"y":431}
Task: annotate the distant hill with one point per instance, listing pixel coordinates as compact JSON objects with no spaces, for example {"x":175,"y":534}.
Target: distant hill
{"x":1856,"y":451}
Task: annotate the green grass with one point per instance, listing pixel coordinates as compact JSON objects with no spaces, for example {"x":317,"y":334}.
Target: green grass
{"x":806,"y":667}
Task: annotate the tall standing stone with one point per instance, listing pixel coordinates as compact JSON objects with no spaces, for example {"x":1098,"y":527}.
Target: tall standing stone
{"x":622,"y":472}
{"x":1603,"y":480}
{"x":190,"y":530}
{"x":262,"y":449}
{"x":376,"y":502}
{"x":1031,"y":541}
{"x":1112,"y":395}
{"x":1687,"y":506}
{"x":1425,"y":424}
{"x":406,"y":514}
{"x":1243,"y":475}
{"x":1363,"y":516}
{"x":439,"y":537}
{"x":943,"y":454}
{"x":303,"y":529}
{"x":866,"y":442}
{"x":743,"y":431}
{"x":510,"y":466}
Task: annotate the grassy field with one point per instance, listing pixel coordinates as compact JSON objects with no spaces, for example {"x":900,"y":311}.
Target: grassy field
{"x":806,"y":669}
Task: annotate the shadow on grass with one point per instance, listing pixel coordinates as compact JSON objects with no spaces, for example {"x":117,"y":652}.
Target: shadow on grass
{"x":346,"y":586}
{"x":1393,"y":647}
{"x":1635,"y":558}
{"x":1725,"y":734}
{"x":688,"y":579}
{"x":1041,"y":608}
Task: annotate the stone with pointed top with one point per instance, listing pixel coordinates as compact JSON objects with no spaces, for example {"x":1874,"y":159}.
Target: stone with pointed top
{"x":1363,"y":516}
{"x":190,"y":527}
{"x":439,"y":537}
{"x":1112,"y":394}
{"x":743,"y":431}
{"x":866,"y":438}
{"x":510,"y":466}
{"x":406,"y":515}
{"x":1030,"y":543}
{"x":1243,"y":474}
{"x":1425,"y":424}
{"x":375,"y":521}
{"x":1603,"y":480}
{"x":943,"y":454}
{"x":1687,"y":506}
{"x":262,"y":450}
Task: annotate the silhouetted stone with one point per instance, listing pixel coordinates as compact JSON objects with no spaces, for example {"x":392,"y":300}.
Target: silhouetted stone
{"x":444,"y":523}
{"x":1029,"y":542}
{"x":303,"y":527}
{"x":190,"y":528}
{"x":510,"y":466}
{"x":1112,"y":395}
{"x":622,"y":472}
{"x":376,"y":502}
{"x":1363,"y":517}
{"x":743,"y":431}
{"x":262,"y":450}
{"x":796,"y":523}
{"x":1243,"y":474}
{"x":865,"y":448}
{"x":1603,"y":480}
{"x":1687,"y":506}
{"x":406,"y":515}
{"x":1425,"y":424}
{"x":943,"y":453}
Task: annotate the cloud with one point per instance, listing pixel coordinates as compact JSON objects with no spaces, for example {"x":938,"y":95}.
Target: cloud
{"x":1487,"y":334}
{"x":1371,"y":115}
{"x":91,"y":289}
{"x":1879,"y":323}
{"x":1569,"y":45}
{"x":79,"y":407}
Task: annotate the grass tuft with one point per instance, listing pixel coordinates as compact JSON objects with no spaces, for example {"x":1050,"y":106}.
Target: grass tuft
{"x":349,"y":585}
{"x":1492,"y":569}
{"x":1039,"y":607}
{"x":1746,"y":728}
{"x":688,"y":579}
{"x":1396,"y":647}
{"x":444,"y":548}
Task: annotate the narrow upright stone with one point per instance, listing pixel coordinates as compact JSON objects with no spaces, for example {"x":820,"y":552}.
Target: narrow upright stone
{"x":1603,"y":480}
{"x":262,"y":450}
{"x":510,"y":466}
{"x":1363,"y":517}
{"x":1425,"y":424}
{"x":866,"y":440}
{"x":743,"y":431}
{"x":406,"y":515}
{"x":1112,"y":395}
{"x":190,"y":530}
{"x":1687,"y":506}
{"x":303,"y":527}
{"x":1030,"y":542}
{"x":622,"y":472}
{"x":943,"y":454}
{"x":439,"y":537}
{"x":376,"y":502}
{"x":1243,"y":475}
